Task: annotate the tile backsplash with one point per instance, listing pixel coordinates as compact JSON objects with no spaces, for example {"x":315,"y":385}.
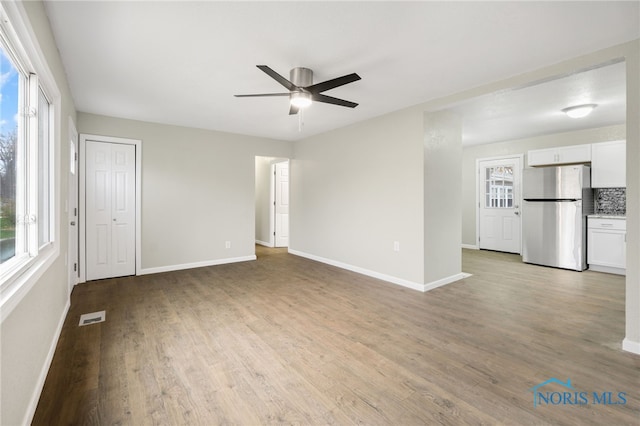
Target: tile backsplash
{"x":611,"y":201}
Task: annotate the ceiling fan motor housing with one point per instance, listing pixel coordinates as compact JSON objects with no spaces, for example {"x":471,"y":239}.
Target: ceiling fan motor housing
{"x":301,"y":77}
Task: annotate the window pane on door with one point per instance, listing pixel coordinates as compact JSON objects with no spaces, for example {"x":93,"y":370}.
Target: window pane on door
{"x":499,"y":187}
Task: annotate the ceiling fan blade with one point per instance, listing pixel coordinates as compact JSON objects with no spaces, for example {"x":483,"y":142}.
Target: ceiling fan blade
{"x":331,"y":100}
{"x":333,"y":83}
{"x":293,"y":110}
{"x":255,"y":95}
{"x":277,"y":77}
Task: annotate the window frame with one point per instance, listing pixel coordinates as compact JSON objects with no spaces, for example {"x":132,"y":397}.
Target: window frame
{"x":20,"y":274}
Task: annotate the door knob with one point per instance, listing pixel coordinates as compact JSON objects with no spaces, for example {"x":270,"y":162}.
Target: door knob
{"x":516,"y":213}
{"x":73,"y":223}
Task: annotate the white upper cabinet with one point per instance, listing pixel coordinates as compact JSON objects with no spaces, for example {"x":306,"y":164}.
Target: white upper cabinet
{"x":573,"y":154}
{"x":608,"y":164}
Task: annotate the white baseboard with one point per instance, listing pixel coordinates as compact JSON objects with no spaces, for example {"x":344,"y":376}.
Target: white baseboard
{"x":470,"y":246}
{"x":608,"y":269}
{"x":180,"y":267}
{"x":631,"y":346}
{"x":35,"y":397}
{"x":389,"y":278}
{"x":359,"y":270}
{"x":445,"y":281}
{"x":264,"y":243}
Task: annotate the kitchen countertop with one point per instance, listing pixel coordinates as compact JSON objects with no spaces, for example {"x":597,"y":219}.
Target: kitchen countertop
{"x":607,"y":216}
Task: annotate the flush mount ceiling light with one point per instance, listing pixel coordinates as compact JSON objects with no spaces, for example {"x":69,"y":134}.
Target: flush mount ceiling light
{"x":300,"y":99}
{"x":579,"y":111}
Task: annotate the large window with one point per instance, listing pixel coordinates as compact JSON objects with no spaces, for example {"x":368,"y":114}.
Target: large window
{"x":26,"y":190}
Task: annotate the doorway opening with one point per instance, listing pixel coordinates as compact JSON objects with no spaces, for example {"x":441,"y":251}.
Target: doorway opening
{"x":272,"y":201}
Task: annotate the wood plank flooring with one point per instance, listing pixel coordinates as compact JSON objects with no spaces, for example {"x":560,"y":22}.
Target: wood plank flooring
{"x":285,"y":340}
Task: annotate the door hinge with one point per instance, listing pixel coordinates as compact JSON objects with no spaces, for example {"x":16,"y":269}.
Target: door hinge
{"x":76,"y":156}
{"x":75,"y":211}
{"x":75,"y":267}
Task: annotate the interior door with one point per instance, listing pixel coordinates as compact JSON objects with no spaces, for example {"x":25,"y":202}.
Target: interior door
{"x":282,"y":204}
{"x":499,"y":206}
{"x":110,"y":210}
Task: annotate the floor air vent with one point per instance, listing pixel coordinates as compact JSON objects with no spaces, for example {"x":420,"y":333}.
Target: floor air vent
{"x":92,"y":318}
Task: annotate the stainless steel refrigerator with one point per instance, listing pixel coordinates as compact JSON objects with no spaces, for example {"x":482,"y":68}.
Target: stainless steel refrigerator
{"x":556,"y":202}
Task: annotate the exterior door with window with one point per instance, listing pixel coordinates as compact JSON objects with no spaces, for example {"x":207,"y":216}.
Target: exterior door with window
{"x":110,"y":210}
{"x":499,"y":209}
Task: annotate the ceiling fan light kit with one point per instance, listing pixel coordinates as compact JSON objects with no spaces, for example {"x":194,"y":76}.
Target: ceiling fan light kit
{"x":302,"y":91}
{"x":300,"y":99}
{"x":579,"y":111}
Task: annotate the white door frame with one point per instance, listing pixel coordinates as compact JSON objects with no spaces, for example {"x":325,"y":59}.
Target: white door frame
{"x":272,"y":214}
{"x":479,"y":188}
{"x":272,"y":204}
{"x":73,"y":162}
{"x":137,"y":143}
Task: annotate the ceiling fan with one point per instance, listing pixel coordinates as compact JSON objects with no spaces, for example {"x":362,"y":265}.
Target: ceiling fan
{"x":302,"y":91}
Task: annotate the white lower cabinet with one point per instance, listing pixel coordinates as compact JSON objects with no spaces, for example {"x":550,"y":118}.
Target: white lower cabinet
{"x":607,"y":245}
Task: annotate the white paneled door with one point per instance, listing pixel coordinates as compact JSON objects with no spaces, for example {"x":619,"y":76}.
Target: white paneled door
{"x":499,"y":209}
{"x":282,"y":204}
{"x":110,"y":210}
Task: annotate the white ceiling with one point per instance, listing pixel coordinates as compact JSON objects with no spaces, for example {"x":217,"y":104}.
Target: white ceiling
{"x":536,"y":109}
{"x":179,"y":62}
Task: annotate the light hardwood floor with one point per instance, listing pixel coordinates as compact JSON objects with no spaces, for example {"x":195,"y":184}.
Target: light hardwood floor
{"x":285,"y":340}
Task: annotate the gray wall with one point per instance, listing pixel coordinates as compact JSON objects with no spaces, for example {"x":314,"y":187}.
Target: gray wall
{"x":197,"y":189}
{"x":472,"y":153}
{"x":356,"y":190}
{"x":442,"y":196}
{"x":632,"y":340}
{"x":263,"y":199}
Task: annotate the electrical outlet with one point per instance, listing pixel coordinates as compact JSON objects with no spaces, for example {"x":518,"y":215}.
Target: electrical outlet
{"x":396,"y":246}
{"x":227,"y":244}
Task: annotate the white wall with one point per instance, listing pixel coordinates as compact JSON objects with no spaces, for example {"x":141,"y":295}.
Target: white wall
{"x":197,"y":190}
{"x":356,"y":190}
{"x":29,"y":334}
{"x":471,"y":153}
